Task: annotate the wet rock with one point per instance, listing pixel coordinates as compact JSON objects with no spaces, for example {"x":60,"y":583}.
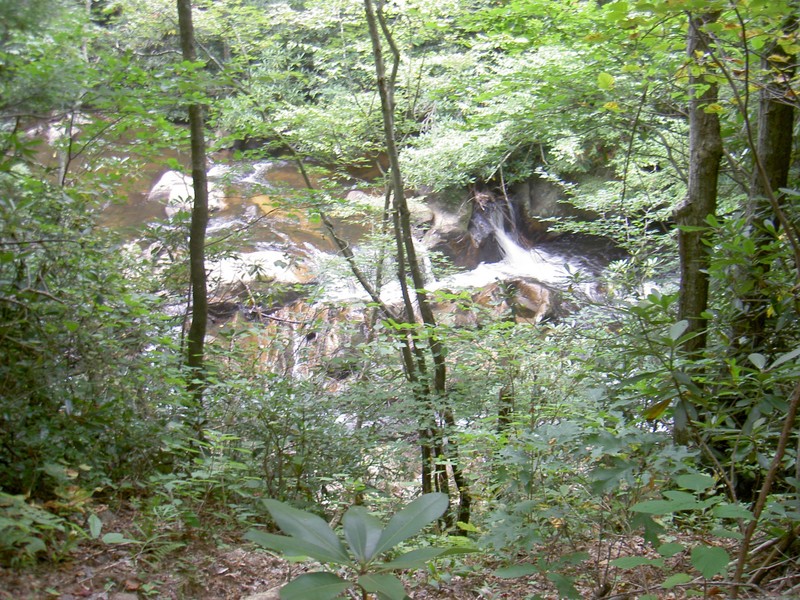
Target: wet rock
{"x":538,"y":198}
{"x":449,"y":230}
{"x":361,"y":202}
{"x":522,"y":300}
{"x":175,"y":191}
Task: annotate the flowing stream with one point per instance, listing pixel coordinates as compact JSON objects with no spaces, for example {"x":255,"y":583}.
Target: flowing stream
{"x":289,"y":247}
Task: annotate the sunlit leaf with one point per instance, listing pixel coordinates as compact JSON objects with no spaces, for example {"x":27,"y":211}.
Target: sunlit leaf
{"x":658,"y":409}
{"x":605,"y":81}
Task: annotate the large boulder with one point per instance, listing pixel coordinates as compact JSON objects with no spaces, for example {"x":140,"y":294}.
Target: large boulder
{"x":174,"y":190}
{"x":262,"y":265}
{"x":449,"y":228}
{"x":539,"y":198}
{"x":523,"y":300}
{"x":360,"y":202}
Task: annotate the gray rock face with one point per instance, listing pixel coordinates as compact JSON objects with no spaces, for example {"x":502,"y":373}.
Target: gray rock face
{"x":537,"y":198}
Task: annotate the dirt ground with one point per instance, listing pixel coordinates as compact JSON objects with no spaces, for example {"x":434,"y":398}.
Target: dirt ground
{"x":219,"y":565}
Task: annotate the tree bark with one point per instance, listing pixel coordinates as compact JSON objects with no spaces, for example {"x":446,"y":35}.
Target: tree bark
{"x":705,"y":153}
{"x":432,"y":442}
{"x":773,"y":154}
{"x":197,"y":234}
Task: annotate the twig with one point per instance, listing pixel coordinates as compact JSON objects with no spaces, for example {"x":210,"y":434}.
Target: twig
{"x":766,"y":487}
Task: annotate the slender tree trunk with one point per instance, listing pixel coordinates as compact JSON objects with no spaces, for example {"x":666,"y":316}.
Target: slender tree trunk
{"x":432,"y":443}
{"x":197,"y":235}
{"x":705,"y":152}
{"x":773,"y":151}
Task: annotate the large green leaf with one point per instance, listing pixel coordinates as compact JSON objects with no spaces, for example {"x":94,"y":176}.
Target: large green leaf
{"x":674,"y":580}
{"x":415,"y":559}
{"x":362,"y":531}
{"x":629,"y":562}
{"x":411,"y":520}
{"x":565,"y":586}
{"x":732,"y":511}
{"x":710,"y":560}
{"x":314,"y":586}
{"x":292,"y":546}
{"x":698,"y":482}
{"x":515,"y":571}
{"x":308,"y":527}
{"x":387,"y":587}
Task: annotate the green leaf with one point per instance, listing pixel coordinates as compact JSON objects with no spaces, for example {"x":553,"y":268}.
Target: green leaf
{"x":654,"y":507}
{"x":677,"y":579}
{"x":362,"y":531}
{"x":117,"y":538}
{"x":670,"y":549}
{"x":677,"y":329}
{"x":516,"y":571}
{"x":309,"y":528}
{"x":605,"y":81}
{"x":411,"y":520}
{"x":314,"y":586}
{"x":95,"y":526}
{"x":386,"y":586}
{"x":759,"y":360}
{"x":658,"y":409}
{"x":695,"y":481}
{"x":686,"y":501}
{"x":34,"y":545}
{"x":292,"y":546}
{"x":415,"y":559}
{"x":565,"y":586}
{"x":732,"y":511}
{"x":784,"y":357}
{"x":721,"y":532}
{"x":652,"y":529}
{"x":629,"y":562}
{"x":710,"y":560}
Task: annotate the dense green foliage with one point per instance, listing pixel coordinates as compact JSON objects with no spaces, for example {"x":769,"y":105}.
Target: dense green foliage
{"x":564,"y":429}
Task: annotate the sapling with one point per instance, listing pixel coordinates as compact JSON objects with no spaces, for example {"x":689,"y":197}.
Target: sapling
{"x":368,"y":543}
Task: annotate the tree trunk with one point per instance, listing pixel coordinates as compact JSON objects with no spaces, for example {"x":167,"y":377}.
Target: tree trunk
{"x":197,"y":235}
{"x":705,"y":152}
{"x":773,"y":154}
{"x":434,"y":450}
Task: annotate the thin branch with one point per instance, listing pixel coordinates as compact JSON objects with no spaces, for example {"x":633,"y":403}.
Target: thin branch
{"x":766,"y":487}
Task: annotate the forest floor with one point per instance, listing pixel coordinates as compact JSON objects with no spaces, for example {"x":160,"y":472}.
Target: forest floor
{"x":217,"y":564}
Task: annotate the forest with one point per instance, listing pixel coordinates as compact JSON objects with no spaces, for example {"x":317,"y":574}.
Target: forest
{"x":389,"y":299}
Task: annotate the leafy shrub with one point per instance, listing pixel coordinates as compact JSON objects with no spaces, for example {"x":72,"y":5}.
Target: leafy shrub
{"x":28,"y":531}
{"x":367,"y":541}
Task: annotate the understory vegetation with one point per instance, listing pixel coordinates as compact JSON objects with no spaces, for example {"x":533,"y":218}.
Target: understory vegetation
{"x":639,"y":442}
